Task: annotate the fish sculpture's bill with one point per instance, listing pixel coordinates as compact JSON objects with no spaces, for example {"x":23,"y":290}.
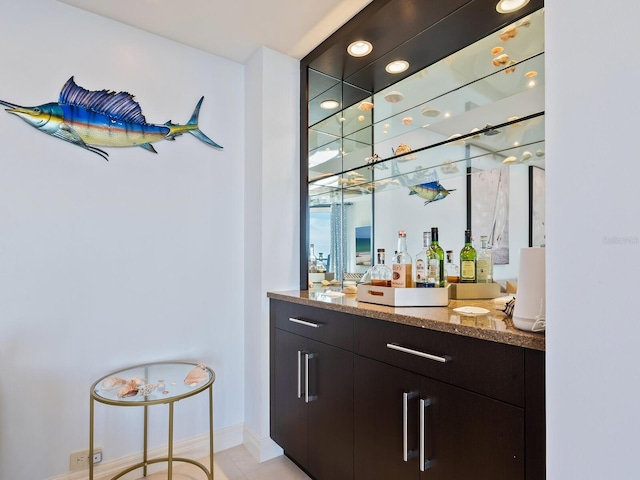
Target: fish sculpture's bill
{"x":92,"y":119}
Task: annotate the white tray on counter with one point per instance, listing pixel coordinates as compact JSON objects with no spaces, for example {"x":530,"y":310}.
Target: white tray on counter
{"x":403,"y":297}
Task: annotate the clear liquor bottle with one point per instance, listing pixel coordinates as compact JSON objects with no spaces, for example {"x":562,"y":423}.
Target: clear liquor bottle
{"x":422,"y":262}
{"x":320,"y":265}
{"x":452,"y":271}
{"x":402,"y":262}
{"x":381,"y":274}
{"x":484,"y":263}
{"x":312,"y":259}
{"x":436,"y":259}
{"x":467,"y":260}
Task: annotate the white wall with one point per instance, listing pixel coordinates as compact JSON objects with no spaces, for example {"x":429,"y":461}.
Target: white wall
{"x":593,"y":238}
{"x":106,"y":264}
{"x":271,"y":222}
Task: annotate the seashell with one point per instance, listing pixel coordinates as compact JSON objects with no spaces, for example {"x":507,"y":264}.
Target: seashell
{"x":525,"y":22}
{"x":365,"y":106}
{"x":394,"y":97}
{"x":147,"y":389}
{"x":361,"y":118}
{"x":509,"y":160}
{"x":326,"y":282}
{"x":350,"y":289}
{"x":457,"y":142}
{"x":500,"y":60}
{"x":531,"y":74}
{"x":511,"y":68}
{"x":129,"y":389}
{"x":473,"y":130}
{"x":403,"y":148}
{"x":540,"y":153}
{"x":335,"y":282}
{"x":526,"y":155}
{"x":196,"y":375}
{"x":496,"y":50}
{"x":407,"y":120}
{"x":113,"y":382}
{"x":137,"y":381}
{"x":508,"y":33}
{"x":310,"y":285}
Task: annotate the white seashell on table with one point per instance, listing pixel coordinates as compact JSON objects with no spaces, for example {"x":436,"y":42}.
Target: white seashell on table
{"x":196,"y":375}
{"x":113,"y":382}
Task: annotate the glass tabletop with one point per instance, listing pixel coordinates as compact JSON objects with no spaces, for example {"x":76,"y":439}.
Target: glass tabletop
{"x":151,"y":383}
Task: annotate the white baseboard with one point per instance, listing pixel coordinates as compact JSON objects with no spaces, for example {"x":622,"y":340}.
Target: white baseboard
{"x":195,"y":447}
{"x":262,"y":448}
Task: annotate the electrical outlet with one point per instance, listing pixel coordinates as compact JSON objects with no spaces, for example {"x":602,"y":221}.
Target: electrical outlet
{"x":80,"y":460}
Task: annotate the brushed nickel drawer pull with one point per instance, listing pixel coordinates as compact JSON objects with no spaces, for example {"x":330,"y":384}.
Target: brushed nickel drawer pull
{"x":305,"y":323}
{"x":406,"y":454}
{"x":436,"y":358}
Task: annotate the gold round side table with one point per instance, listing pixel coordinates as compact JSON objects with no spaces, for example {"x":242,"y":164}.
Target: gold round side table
{"x":171,"y":387}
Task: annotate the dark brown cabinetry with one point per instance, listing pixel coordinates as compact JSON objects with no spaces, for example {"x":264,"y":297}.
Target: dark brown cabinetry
{"x":312,"y":389}
{"x":389,"y":400}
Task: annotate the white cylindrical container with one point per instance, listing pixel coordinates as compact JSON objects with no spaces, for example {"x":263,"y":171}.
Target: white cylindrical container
{"x":529,"y":312}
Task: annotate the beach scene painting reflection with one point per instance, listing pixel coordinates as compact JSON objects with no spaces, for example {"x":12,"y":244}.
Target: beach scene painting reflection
{"x":363,"y":246}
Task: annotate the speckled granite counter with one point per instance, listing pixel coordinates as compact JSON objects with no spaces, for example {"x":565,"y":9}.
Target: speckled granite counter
{"x":494,"y":326}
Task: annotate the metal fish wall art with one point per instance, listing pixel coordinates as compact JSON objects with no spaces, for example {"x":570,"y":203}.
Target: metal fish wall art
{"x":431,"y":190}
{"x":102,"y":118}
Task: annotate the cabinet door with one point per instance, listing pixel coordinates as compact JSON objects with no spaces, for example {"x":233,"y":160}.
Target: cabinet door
{"x":469,"y":436}
{"x":290,"y":430}
{"x":330,"y":412}
{"x":380,"y":421}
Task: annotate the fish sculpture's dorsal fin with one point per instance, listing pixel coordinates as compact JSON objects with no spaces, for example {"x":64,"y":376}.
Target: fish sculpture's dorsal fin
{"x":117,"y":105}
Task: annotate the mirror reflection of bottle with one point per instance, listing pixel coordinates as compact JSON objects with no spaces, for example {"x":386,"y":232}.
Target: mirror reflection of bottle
{"x":467,"y":260}
{"x":381,"y":274}
{"x":320,"y":266}
{"x":312,"y":259}
{"x":402,"y":275}
{"x":451,"y":269}
{"x":422,"y":262}
{"x":436,"y":259}
{"x":484,"y":263}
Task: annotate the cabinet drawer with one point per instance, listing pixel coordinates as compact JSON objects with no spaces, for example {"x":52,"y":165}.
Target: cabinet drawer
{"x":488,"y":368}
{"x":333,"y":328}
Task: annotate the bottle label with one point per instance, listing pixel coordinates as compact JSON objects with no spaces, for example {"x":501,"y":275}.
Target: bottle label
{"x":433,"y":276}
{"x":401,"y":276}
{"x":468,"y":270}
{"x":420,"y":271}
{"x":484,"y":270}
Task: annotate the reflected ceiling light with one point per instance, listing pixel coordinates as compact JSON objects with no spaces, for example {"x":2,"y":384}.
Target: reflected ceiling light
{"x":397,"y":66}
{"x":508,"y":6}
{"x":394,"y":97}
{"x":359,"y":48}
{"x":532,"y":83}
{"x":329,"y":104}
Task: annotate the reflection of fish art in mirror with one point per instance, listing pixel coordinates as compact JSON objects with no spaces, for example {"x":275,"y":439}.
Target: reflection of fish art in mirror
{"x":430,"y":187}
{"x":92,"y":119}
{"x":490,"y":210}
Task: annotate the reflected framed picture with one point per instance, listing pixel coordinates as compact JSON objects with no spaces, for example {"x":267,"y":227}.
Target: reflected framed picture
{"x":537,"y":228}
{"x":363,"y":246}
{"x":488,"y":210}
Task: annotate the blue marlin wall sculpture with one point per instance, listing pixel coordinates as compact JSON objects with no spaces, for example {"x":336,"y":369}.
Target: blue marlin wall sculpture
{"x":92,"y":119}
{"x":430,"y":189}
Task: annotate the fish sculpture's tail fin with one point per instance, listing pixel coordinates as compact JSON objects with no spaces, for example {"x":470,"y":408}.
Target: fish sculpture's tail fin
{"x":196,"y":131}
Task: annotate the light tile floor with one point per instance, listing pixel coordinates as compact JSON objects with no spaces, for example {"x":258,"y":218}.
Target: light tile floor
{"x":236,"y":464}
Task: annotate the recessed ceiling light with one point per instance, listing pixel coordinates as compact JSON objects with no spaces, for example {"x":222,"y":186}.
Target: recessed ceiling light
{"x":329,"y":104}
{"x":359,"y":48}
{"x":509,"y":6}
{"x":397,"y":66}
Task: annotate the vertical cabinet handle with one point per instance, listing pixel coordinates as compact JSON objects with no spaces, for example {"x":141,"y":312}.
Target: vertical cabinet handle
{"x":425,"y":463}
{"x":307,"y":398}
{"x":406,"y":396}
{"x":299,"y":375}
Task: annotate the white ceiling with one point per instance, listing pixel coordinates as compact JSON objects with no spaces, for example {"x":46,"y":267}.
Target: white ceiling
{"x":233,"y":29}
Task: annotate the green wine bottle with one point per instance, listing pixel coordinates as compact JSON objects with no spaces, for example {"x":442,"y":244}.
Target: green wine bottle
{"x":436,"y":258}
{"x":467,"y":260}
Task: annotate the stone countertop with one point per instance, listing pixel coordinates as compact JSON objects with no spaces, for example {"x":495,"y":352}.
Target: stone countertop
{"x":494,"y":326}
